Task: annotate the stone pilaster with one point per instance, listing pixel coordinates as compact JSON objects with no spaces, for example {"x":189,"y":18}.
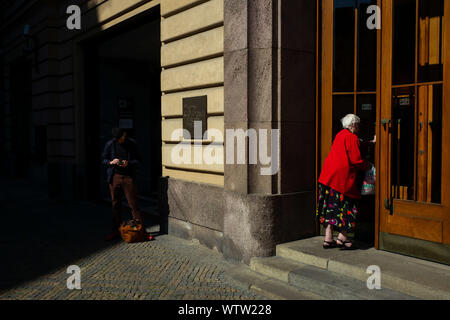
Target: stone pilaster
{"x":269,"y":84}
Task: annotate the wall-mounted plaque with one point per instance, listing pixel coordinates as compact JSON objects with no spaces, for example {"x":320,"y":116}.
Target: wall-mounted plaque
{"x":194,"y":109}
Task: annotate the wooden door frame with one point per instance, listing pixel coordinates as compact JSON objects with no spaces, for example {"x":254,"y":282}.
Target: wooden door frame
{"x":378,"y":128}
{"x":326,"y":92}
{"x":446,"y":115}
{"x":324,"y":84}
{"x":383,"y":143}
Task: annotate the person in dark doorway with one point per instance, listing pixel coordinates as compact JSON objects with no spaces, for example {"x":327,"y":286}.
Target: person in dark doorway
{"x":338,"y":188}
{"x":121,"y":157}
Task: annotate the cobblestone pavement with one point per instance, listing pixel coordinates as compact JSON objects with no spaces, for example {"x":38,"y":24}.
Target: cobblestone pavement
{"x":168,"y":268}
{"x":48,"y":236}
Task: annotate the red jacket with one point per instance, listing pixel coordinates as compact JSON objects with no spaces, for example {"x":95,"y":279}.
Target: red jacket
{"x":342,"y":164}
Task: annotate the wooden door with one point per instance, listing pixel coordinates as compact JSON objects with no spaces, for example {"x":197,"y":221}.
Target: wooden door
{"x":414,"y":129}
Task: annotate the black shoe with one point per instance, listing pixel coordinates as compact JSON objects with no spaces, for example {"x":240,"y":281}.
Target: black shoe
{"x":329,"y":244}
{"x":343,"y":246}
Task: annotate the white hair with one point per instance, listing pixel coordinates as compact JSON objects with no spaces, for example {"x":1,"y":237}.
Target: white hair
{"x":349,"y":120}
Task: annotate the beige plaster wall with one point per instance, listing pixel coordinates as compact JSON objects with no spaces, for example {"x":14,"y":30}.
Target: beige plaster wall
{"x":192,"y":36}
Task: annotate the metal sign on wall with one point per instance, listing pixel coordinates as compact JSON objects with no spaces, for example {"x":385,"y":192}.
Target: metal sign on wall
{"x":194,"y":109}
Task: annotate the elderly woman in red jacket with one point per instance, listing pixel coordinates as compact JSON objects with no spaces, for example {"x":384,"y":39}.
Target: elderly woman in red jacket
{"x":338,"y":191}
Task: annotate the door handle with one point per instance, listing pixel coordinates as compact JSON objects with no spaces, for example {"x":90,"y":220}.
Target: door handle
{"x":388,"y":205}
{"x":385,"y":122}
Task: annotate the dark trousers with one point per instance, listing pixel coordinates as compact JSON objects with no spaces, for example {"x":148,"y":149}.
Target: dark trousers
{"x":123,"y":185}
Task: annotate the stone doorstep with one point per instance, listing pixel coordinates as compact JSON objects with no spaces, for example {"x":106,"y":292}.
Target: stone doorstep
{"x":267,"y":287}
{"x":327,"y":285}
{"x":411,"y":276}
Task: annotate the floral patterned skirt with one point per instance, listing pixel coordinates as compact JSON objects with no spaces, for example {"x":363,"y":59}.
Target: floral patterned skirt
{"x":336,"y":209}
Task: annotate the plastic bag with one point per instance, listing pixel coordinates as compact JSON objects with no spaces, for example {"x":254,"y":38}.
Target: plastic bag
{"x":368,"y":186}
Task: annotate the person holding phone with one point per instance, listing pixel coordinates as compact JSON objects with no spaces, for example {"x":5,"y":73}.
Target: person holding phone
{"x":121,"y":157}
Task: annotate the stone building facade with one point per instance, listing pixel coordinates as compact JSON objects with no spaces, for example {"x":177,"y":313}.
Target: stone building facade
{"x":240,"y":54}
{"x":259,"y":63}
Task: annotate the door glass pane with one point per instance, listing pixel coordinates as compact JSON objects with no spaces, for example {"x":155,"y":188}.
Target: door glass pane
{"x":342,"y":106}
{"x":429,"y":143}
{"x":367,"y":50}
{"x":403,"y":138}
{"x":431,"y":14}
{"x":404,"y":45}
{"x":366,"y":105}
{"x":344,"y":46}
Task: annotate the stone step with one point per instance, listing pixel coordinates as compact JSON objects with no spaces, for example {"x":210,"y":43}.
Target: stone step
{"x":411,"y":276}
{"x":327,"y":285}
{"x":267,"y":287}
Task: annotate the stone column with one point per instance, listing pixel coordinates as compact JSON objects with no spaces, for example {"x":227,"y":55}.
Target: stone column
{"x":270,"y":84}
